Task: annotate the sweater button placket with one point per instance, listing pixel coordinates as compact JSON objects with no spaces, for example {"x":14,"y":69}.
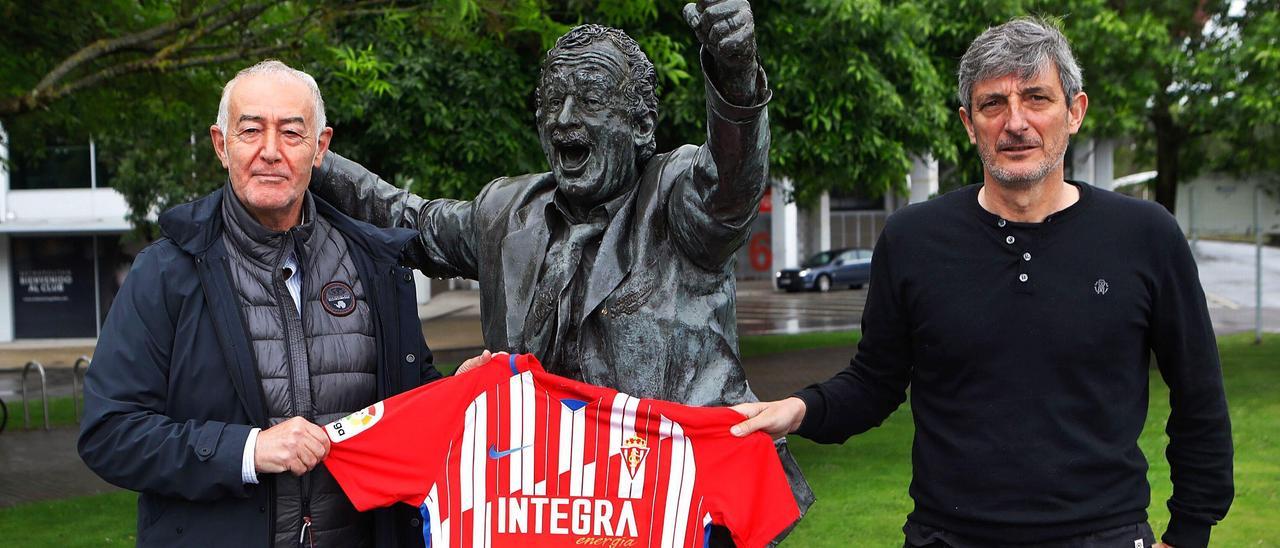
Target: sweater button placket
{"x":1024,"y":265}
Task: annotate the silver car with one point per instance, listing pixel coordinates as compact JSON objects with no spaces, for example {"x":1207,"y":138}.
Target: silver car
{"x":822,"y":271}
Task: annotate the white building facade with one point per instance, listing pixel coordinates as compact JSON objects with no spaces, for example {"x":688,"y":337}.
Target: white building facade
{"x":61,"y":259}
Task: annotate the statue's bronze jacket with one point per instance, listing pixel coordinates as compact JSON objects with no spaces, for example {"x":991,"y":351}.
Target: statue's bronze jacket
{"x":659,"y":313}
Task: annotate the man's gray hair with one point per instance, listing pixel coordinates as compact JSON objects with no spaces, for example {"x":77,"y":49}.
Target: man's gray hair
{"x":272,"y":66}
{"x":1022,"y":46}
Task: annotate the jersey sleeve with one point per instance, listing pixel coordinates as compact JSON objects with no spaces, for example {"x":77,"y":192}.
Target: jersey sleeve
{"x":393,"y":450}
{"x":747,"y":488}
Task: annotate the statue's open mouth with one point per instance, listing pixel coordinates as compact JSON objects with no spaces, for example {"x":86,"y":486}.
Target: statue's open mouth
{"x":573,"y":156}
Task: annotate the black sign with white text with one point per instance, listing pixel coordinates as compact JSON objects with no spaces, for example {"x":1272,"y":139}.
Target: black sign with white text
{"x":53,"y":287}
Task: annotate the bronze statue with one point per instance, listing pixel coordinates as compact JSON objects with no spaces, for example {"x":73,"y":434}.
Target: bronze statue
{"x":616,"y":267}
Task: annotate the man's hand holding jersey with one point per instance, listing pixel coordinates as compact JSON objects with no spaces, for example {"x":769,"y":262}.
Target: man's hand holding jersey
{"x":475,"y":362}
{"x":776,"y":418}
{"x":295,"y":446}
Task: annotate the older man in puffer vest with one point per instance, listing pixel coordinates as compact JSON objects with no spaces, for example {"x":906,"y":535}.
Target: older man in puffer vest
{"x":262,"y":313}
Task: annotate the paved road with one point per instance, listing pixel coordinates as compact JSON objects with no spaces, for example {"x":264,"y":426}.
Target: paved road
{"x":1228,"y":273}
{"x":763,"y":310}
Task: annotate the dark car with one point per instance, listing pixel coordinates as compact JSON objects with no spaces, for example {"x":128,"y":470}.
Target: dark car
{"x":836,"y":267}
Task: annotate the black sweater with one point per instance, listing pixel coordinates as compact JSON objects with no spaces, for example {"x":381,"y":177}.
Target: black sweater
{"x":1027,"y":348}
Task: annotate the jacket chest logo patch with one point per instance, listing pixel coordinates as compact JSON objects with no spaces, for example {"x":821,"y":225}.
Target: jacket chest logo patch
{"x":338,"y":299}
{"x":1101,"y":286}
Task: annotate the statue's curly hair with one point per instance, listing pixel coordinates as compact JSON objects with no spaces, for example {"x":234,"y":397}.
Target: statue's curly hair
{"x":639,"y":88}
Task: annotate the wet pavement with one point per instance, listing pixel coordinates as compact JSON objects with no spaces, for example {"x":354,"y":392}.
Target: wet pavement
{"x":763,"y":310}
{"x":1228,"y":273}
{"x":37,"y":465}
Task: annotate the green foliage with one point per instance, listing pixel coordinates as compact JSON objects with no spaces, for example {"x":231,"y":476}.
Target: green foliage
{"x":856,"y":92}
{"x":1191,"y":82}
{"x":439,"y":95}
{"x":150,"y":125}
{"x":1253,"y":120}
{"x":418,"y":105}
{"x":170,"y":159}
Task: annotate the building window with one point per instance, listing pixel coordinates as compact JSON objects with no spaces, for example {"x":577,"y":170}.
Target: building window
{"x":57,"y":166}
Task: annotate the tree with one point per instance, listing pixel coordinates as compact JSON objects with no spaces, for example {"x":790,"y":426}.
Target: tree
{"x":1253,"y":126}
{"x":128,"y":38}
{"x":142,"y":80}
{"x":1183,"y":78}
{"x":439,"y":95}
{"x":442,"y":99}
{"x":856,"y":93}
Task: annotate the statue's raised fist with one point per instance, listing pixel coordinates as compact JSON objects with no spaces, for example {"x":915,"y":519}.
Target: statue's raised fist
{"x":727,"y":29}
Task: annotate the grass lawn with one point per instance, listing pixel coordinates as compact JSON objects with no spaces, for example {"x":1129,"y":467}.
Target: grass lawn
{"x":60,"y":412}
{"x":774,"y":344}
{"x":99,"y":520}
{"x":861,"y":485}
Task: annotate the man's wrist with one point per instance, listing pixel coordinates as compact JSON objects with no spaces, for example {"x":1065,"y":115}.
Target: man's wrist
{"x":249,"y":472}
{"x":802,"y":408}
{"x":1184,"y":532}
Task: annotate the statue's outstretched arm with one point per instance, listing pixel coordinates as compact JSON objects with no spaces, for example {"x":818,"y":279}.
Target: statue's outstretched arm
{"x":715,"y":202}
{"x":444,"y":246}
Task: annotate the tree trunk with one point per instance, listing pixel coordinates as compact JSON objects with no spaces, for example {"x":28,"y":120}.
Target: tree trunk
{"x":1169,"y":141}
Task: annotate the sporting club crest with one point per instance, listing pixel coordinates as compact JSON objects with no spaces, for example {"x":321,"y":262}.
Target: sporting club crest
{"x":634,"y":450}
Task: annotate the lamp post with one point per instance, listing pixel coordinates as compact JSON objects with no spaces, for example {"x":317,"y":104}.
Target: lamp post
{"x":1257,"y":259}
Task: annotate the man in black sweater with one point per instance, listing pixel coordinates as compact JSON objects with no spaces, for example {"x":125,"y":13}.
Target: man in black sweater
{"x":1023,"y":313}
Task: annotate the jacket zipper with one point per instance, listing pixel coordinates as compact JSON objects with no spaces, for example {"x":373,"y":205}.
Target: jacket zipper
{"x":305,"y":536}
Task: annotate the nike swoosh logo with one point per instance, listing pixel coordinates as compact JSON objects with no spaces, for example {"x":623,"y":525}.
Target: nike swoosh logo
{"x":495,"y":454}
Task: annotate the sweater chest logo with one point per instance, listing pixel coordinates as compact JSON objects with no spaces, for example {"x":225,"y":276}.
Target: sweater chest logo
{"x":1101,"y":286}
{"x":338,"y":299}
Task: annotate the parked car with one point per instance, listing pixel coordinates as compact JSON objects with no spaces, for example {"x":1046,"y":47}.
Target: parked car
{"x":822,"y":271}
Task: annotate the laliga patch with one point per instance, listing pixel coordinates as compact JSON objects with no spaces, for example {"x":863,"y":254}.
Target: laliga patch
{"x":347,"y":427}
{"x":338,"y":298}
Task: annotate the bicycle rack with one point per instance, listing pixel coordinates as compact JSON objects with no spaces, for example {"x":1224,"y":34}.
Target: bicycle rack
{"x":44,"y":395}
{"x":75,"y":385}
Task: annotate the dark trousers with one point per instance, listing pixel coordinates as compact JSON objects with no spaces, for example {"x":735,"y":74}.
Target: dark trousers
{"x":720,"y":538}
{"x":1137,"y":535}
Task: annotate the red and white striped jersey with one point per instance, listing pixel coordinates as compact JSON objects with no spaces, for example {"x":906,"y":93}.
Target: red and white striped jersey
{"x":509,"y":455}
